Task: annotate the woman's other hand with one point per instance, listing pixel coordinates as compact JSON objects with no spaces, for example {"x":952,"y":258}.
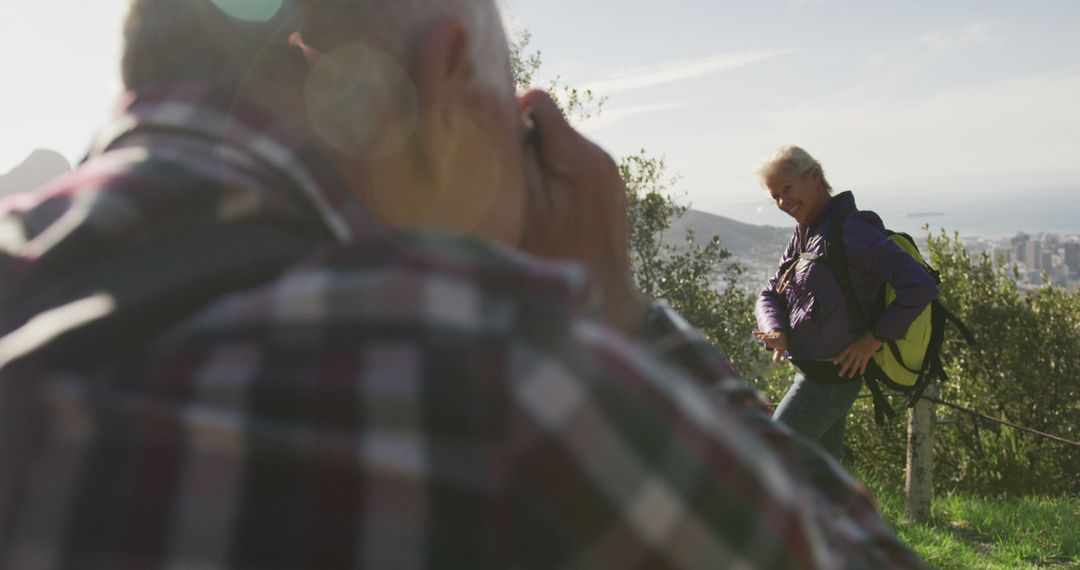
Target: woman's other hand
{"x":857,"y":355}
{"x":775,"y":340}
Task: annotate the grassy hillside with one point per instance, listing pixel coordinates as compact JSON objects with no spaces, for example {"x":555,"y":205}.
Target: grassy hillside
{"x":757,"y":248}
{"x":971,"y":533}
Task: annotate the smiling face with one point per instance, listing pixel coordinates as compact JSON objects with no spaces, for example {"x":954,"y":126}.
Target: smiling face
{"x":801,"y":196}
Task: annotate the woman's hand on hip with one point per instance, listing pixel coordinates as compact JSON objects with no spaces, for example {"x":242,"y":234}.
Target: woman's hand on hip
{"x":857,"y":355}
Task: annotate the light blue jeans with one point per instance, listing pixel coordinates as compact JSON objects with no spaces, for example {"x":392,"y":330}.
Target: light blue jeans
{"x":818,"y":411}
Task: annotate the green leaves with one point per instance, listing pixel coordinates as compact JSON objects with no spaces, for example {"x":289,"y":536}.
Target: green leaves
{"x":577,"y":105}
{"x":700,"y":281}
{"x":1025,"y":369}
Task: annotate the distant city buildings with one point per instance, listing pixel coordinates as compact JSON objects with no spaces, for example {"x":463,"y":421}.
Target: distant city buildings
{"x":1056,"y":257}
{"x":1072,"y":258}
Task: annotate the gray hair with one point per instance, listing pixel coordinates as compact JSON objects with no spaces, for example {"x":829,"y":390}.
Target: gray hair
{"x":792,"y":159}
{"x":169,"y":41}
{"x":392,"y":25}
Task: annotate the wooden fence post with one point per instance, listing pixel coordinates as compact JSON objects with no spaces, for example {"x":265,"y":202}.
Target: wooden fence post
{"x":920,"y":458}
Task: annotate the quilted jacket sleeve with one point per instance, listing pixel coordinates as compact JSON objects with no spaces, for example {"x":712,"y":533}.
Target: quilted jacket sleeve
{"x":868,"y":247}
{"x":771,"y":307}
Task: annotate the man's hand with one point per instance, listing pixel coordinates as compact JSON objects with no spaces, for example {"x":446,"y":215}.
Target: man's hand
{"x":576,"y":209}
{"x":854,"y":358}
{"x":775,"y":340}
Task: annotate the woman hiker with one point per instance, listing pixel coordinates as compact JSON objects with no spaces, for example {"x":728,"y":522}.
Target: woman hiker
{"x":803,"y":314}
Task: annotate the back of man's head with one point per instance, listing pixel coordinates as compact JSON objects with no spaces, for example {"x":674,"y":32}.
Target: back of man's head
{"x":234,"y":43}
{"x":172,"y":41}
{"x":408,"y":99}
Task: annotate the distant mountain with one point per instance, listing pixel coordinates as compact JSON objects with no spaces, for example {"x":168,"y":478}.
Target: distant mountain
{"x":744,"y":241}
{"x":40,"y":167}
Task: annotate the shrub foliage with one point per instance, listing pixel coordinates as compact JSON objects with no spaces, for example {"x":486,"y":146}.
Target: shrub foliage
{"x":1026,"y":368}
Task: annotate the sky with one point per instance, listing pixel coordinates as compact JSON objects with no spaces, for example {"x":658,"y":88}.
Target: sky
{"x":61,"y":66}
{"x":967,"y":107}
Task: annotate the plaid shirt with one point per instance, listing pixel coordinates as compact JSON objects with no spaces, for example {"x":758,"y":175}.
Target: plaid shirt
{"x":212,"y":359}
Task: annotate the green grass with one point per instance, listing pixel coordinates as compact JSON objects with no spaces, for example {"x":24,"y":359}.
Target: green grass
{"x":970,"y":533}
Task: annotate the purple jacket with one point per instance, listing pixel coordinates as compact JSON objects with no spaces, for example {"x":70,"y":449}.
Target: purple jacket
{"x":812,"y":309}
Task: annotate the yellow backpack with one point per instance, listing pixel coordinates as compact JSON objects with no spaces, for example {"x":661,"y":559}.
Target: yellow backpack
{"x":908,"y":364}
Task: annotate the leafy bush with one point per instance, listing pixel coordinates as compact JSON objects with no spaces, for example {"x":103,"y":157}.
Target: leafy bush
{"x":1025,"y":369}
{"x":967,"y":531}
{"x":701,"y":282}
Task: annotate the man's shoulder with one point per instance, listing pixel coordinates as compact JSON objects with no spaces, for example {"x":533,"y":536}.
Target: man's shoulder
{"x":415,"y":284}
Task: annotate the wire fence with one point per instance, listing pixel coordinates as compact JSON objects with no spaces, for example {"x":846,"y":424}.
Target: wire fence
{"x":999,"y":421}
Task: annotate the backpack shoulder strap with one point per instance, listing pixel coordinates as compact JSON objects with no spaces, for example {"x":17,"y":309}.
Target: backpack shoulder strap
{"x":837,"y":261}
{"x":960,"y":326}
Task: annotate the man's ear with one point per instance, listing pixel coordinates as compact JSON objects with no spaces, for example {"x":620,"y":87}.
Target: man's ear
{"x":440,"y":72}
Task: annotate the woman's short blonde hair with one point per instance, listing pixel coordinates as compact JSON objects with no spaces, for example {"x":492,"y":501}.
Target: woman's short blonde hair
{"x":793,"y":159}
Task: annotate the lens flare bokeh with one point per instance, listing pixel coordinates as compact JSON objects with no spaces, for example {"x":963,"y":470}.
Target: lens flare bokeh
{"x":470,"y":200}
{"x":257,"y":11}
{"x":361,"y":102}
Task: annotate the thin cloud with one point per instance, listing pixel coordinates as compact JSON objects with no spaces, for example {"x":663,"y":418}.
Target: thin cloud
{"x":1003,"y":131}
{"x":681,"y":70}
{"x":611,"y":116}
{"x":980,"y":142}
{"x":975,"y":33}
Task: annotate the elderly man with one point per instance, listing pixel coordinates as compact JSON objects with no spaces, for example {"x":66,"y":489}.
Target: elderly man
{"x":301,"y":308}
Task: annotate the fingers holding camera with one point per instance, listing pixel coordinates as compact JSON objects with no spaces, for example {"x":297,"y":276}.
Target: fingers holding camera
{"x":571,"y":171}
{"x":577,"y":208}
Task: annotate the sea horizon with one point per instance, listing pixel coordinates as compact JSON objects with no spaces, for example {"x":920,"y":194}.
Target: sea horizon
{"x":1049,"y":211}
